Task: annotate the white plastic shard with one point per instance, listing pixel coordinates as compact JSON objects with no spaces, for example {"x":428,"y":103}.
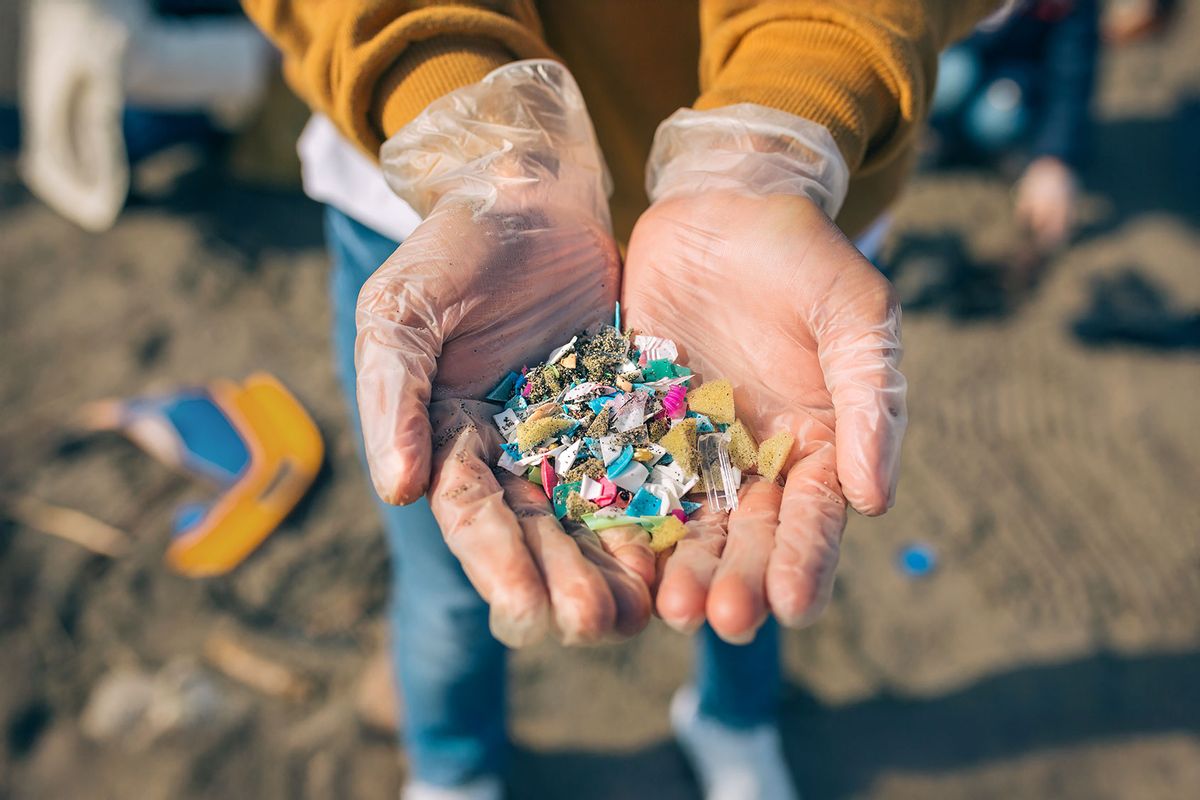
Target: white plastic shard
{"x":629,"y":411}
{"x":562,"y":351}
{"x":720,"y":479}
{"x":566,"y":459}
{"x":509,"y":463}
{"x":590,"y":489}
{"x":666,"y":493}
{"x":507,"y":421}
{"x":632,"y":477}
{"x":610,"y":448}
{"x":586,"y":391}
{"x":537,"y":458}
{"x":668,"y":473}
{"x":655,"y":348}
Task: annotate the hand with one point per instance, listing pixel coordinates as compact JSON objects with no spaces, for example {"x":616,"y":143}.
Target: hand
{"x":1045,"y":202}
{"x":764,"y":290}
{"x":513,"y":257}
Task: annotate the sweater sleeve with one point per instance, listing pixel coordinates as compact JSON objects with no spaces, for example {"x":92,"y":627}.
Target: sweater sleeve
{"x":865,"y":69}
{"x":372,"y":65}
{"x":1070,"y":72}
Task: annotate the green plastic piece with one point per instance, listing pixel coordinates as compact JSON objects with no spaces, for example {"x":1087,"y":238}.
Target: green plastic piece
{"x":560,"y":497}
{"x":598,"y":523}
{"x":661,"y":368}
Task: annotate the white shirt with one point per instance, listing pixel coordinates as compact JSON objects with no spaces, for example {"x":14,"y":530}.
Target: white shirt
{"x":336,"y":173}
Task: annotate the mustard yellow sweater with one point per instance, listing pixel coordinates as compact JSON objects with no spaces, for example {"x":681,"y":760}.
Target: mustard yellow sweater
{"x":864,"y":69}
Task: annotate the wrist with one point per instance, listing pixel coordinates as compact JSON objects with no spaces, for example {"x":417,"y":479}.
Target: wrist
{"x":750,"y":149}
{"x":519,"y":137}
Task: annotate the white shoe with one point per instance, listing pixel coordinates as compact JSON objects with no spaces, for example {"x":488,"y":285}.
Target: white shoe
{"x":731,"y":764}
{"x":486,"y":788}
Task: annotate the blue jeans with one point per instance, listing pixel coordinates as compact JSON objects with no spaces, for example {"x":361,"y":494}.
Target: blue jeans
{"x":451,"y":671}
{"x":978,"y":110}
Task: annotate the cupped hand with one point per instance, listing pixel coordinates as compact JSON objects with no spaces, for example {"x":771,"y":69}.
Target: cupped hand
{"x":765,"y":291}
{"x":513,"y":257}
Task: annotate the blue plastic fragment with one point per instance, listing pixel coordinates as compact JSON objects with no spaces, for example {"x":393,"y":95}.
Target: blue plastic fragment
{"x":619,"y":463}
{"x":517,"y":403}
{"x":703,"y":423}
{"x":209,"y":443}
{"x":644,"y":504}
{"x":593,"y":446}
{"x":188,"y":516}
{"x":597,"y":404}
{"x":511,"y":449}
{"x":917,"y":560}
{"x":689,"y":507}
{"x":504,"y":388}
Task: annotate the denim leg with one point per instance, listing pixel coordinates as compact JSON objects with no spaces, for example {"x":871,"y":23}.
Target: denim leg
{"x":450,"y":668}
{"x":959,"y":72}
{"x":738,"y":684}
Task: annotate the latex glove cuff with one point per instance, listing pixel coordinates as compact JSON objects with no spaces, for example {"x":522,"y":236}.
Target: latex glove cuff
{"x":750,"y":148}
{"x":520,"y":137}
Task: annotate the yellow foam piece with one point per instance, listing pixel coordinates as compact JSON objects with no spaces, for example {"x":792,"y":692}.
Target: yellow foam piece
{"x":680,"y":442}
{"x":743,"y":449}
{"x":714,"y":400}
{"x":773,"y":453}
{"x":667,"y":534}
{"x":533,"y":432}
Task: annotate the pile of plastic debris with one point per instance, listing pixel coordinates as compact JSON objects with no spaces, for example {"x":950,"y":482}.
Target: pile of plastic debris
{"x":610,"y":428}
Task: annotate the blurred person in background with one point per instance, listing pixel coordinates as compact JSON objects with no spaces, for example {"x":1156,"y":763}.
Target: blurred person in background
{"x":1018,"y":93}
{"x":1127,"y":21}
{"x":489,"y":209}
{"x":105,"y":84}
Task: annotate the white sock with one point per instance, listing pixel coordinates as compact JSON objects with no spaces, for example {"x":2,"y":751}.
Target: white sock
{"x":732,"y":764}
{"x":486,"y":788}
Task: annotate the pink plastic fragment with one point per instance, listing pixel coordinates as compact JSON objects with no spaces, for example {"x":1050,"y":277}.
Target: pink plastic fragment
{"x":527,"y":389}
{"x":608,"y":493}
{"x":675,"y":402}
{"x":549,"y":477}
{"x":679,"y":514}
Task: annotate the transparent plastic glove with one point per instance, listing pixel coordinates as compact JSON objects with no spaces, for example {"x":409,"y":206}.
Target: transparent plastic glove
{"x":737,"y":261}
{"x":513,"y":257}
{"x":1045,"y":202}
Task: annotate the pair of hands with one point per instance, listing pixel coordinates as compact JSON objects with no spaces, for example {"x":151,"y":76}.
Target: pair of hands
{"x":515,"y":255}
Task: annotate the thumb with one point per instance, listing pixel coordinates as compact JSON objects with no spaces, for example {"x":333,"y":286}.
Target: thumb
{"x":859,"y":350}
{"x":395,"y":357}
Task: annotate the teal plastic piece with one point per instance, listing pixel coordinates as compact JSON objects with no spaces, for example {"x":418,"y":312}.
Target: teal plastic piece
{"x":560,"y":497}
{"x":504,"y":389}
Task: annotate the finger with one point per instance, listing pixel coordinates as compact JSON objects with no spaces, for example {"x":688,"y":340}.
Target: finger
{"x":860,"y":356}
{"x":688,"y":572}
{"x":630,"y":546}
{"x":483,"y":533}
{"x":395,"y":357}
{"x":812,"y":516}
{"x":737,"y":603}
{"x":582,"y":606}
{"x":629,"y":591}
